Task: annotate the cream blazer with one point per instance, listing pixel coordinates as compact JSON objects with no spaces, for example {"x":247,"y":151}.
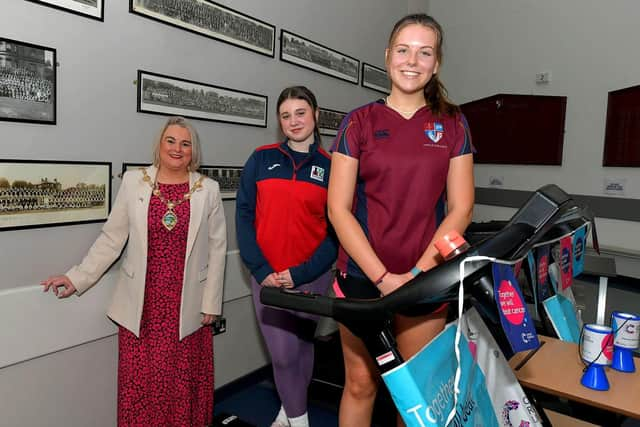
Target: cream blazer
{"x":204,"y":259}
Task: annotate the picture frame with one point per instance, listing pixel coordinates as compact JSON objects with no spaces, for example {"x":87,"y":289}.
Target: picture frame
{"x":132,"y":165}
{"x":308,"y":54}
{"x":175,"y":96}
{"x":47,"y":193}
{"x":621,"y":129}
{"x":93,"y":9}
{"x":329,"y":121}
{"x":375,"y":78}
{"x":228,"y":177}
{"x":542,"y":115}
{"x":27,"y":82}
{"x":213,"y":20}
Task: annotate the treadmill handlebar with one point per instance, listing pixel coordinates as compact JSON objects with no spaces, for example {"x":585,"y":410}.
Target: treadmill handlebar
{"x":293,"y":299}
{"x":549,"y":212}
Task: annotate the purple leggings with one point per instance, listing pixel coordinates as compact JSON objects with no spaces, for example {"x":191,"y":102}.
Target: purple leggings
{"x":288,"y":335}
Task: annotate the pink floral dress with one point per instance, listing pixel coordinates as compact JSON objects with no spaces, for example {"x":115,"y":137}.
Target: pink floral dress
{"x":163,"y":381}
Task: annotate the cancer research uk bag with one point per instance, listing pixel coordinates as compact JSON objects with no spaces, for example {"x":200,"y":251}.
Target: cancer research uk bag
{"x":510,"y":403}
{"x":422,"y":388}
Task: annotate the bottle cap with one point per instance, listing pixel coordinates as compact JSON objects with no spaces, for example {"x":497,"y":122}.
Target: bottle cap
{"x":449,"y":243}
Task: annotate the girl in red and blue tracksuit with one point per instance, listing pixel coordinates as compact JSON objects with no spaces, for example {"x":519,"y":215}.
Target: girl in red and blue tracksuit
{"x":285,"y":240}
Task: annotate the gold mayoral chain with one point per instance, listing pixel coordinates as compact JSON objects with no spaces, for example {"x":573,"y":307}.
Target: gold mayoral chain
{"x":170,"y":218}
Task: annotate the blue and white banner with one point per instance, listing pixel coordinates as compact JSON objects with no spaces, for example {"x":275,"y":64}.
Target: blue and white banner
{"x":579,"y":242}
{"x":514,"y":316}
{"x":542,"y":267}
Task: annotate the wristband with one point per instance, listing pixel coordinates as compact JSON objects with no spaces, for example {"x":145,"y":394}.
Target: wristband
{"x":381,"y":278}
{"x":415,"y":271}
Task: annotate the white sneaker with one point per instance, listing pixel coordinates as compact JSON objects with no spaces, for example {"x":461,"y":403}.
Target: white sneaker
{"x":281,"y":419}
{"x":301,"y":421}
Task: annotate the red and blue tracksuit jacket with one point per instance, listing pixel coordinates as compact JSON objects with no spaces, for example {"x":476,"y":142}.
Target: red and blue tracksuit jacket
{"x":281,"y":215}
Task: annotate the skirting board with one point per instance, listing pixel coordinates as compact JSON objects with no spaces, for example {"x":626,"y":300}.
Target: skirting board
{"x":37,"y":323}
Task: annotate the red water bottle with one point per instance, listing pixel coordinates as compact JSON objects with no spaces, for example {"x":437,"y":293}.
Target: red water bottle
{"x":451,"y":245}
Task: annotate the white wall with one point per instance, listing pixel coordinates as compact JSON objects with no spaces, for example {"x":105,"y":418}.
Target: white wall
{"x":60,"y":370}
{"x":497,"y":46}
{"x":418,"y":6}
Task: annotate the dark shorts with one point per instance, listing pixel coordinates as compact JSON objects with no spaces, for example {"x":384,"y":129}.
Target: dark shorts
{"x":363,"y":288}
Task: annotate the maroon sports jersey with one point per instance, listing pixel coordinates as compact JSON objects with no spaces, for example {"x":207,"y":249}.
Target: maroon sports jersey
{"x":401,"y":186}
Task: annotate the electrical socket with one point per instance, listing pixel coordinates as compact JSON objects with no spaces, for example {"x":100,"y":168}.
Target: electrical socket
{"x":543,"y":77}
{"x":219,"y":325}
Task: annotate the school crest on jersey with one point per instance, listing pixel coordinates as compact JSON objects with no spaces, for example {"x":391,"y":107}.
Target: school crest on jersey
{"x":434,"y":131}
{"x":317,"y":173}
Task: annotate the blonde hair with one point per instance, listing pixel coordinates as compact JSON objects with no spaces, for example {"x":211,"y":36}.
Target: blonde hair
{"x":196,"y":150}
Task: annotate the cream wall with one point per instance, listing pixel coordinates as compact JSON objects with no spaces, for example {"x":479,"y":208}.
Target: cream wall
{"x":497,"y":46}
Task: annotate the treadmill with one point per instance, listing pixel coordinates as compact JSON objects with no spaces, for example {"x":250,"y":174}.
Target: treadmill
{"x":547,"y":215}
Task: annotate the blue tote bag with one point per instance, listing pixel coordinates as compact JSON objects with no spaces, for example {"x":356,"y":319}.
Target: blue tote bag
{"x":422,"y":388}
{"x":562,"y":314}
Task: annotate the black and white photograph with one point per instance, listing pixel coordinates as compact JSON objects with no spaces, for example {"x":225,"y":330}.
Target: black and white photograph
{"x":305,"y":53}
{"x":329,"y":121}
{"x":375,"y":78}
{"x":93,"y":9}
{"x":42,"y":193}
{"x":228,"y":177}
{"x":27,"y":82}
{"x":173,"y":96}
{"x":211,"y":19}
{"x":130,"y":166}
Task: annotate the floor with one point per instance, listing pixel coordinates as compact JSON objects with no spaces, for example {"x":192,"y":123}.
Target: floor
{"x":254,"y":401}
{"x":259,"y":405}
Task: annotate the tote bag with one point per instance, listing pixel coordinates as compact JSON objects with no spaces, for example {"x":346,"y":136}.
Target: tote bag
{"x":422,"y":388}
{"x":510,"y":403}
{"x":561,"y":312}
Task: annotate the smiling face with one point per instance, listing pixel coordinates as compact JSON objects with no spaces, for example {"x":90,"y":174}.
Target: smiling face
{"x":175,"y":149}
{"x":297,"y":120}
{"x":412,"y":58}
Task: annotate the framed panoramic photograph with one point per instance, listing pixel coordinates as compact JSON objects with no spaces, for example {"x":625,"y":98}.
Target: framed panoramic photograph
{"x":42,"y":193}
{"x":93,"y":9}
{"x":308,"y":54}
{"x":227,"y":176}
{"x":173,"y":96}
{"x":27,"y":82}
{"x":129,"y":166}
{"x":375,"y":78}
{"x":211,"y":19}
{"x":329,"y":121}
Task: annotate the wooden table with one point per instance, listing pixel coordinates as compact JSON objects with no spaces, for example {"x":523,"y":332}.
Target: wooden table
{"x":555,"y":368}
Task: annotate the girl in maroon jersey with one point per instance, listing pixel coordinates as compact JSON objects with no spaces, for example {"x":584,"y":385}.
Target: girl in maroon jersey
{"x":401,"y":177}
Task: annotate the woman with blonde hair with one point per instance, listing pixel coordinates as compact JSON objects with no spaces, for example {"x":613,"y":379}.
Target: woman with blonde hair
{"x":170,"y":283}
